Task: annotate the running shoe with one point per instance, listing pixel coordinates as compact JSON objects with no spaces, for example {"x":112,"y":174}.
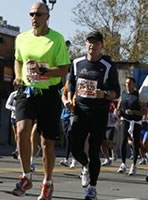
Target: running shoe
{"x":142,"y":161}
{"x":46,"y":192}
{"x":64,"y":163}
{"x":73,"y":164}
{"x":91,"y":193}
{"x":22,"y":186}
{"x":122,"y":168}
{"x":84,"y":177}
{"x":132,"y":170}
{"x":107,"y":162}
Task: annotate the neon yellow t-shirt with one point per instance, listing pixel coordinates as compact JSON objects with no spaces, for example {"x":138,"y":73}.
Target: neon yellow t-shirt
{"x":49,"y":49}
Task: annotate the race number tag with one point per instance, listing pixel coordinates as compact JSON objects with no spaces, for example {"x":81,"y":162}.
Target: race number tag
{"x":35,"y":77}
{"x":86,"y":88}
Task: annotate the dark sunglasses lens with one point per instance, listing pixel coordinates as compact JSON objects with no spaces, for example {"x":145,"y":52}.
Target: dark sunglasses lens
{"x":31,"y":14}
{"x":36,"y":14}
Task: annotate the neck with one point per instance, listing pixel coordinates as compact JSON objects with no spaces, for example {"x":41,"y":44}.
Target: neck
{"x":40,"y":31}
{"x":92,"y":57}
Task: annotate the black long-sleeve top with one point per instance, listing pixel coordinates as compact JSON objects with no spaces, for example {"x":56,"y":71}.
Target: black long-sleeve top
{"x":86,"y":76}
{"x":130,"y":101}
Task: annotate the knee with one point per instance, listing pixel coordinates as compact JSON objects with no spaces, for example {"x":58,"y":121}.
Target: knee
{"x":20,"y":130}
{"x":24,"y":128}
{"x":47,"y":145}
{"x":23,"y":136}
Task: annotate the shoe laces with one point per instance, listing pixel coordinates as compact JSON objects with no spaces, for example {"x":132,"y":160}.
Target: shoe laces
{"x":22,"y":181}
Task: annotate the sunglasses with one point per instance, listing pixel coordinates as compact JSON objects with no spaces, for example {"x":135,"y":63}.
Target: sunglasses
{"x":37,"y":14}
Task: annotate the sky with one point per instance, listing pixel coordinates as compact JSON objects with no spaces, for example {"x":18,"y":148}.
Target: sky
{"x":16,"y":12}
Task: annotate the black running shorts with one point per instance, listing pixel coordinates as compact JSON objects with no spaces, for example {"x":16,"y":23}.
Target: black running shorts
{"x":45,"y":107}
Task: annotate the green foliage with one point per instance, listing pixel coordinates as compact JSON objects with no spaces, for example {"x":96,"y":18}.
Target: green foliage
{"x":120,"y":21}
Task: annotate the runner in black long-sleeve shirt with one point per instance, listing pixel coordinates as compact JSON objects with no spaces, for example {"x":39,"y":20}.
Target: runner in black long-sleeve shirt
{"x":94,"y":80}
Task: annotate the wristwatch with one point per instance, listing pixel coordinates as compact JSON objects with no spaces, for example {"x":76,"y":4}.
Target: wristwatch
{"x":43,"y":70}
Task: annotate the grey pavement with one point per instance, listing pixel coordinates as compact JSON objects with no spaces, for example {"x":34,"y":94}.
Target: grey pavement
{"x":111,"y":185}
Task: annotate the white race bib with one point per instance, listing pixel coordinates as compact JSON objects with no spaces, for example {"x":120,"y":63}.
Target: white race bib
{"x":86,"y":88}
{"x":34,"y":77}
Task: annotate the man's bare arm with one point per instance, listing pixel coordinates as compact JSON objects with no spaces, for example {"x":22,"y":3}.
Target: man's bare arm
{"x":18,"y":72}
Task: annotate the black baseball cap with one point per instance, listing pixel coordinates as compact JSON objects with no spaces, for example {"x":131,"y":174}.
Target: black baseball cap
{"x":96,"y":35}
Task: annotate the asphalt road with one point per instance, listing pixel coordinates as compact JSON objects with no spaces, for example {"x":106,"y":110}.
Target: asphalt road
{"x":111,"y":185}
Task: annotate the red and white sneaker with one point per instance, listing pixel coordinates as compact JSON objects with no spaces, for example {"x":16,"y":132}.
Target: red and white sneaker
{"x":22,"y":186}
{"x":46,"y":192}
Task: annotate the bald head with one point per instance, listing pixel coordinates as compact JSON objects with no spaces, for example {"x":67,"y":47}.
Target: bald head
{"x":39,"y":7}
{"x":39,"y":15}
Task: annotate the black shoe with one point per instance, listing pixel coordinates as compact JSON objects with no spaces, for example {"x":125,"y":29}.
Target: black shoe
{"x":15,"y":155}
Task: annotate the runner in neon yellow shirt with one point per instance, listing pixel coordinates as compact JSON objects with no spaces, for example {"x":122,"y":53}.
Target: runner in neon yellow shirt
{"x":41,"y":60}
{"x":49,"y":49}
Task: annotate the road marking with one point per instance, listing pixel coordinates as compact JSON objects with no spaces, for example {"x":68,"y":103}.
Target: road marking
{"x":65,"y":169}
{"x":56,"y":169}
{"x":6,"y":170}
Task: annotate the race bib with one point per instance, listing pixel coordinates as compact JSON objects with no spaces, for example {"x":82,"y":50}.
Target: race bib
{"x":86,"y":88}
{"x":34,"y":77}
